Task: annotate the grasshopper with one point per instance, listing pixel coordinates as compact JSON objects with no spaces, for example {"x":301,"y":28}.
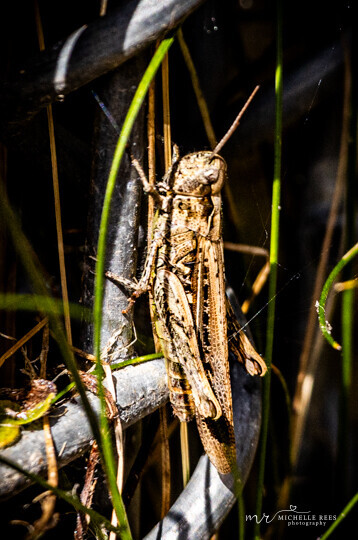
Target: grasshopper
{"x":184,"y":269}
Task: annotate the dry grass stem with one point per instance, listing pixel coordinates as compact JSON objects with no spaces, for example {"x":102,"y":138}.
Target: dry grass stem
{"x":23,"y":340}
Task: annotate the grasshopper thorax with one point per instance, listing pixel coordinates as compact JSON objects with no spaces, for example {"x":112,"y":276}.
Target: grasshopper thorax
{"x":199,"y":174}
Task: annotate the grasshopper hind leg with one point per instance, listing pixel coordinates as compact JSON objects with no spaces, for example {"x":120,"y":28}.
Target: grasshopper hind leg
{"x":181,"y":396}
{"x":218,"y":439}
{"x":180,"y":393}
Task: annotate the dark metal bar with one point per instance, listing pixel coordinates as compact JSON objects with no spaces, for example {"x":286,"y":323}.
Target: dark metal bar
{"x":122,"y":238}
{"x":88,"y":53}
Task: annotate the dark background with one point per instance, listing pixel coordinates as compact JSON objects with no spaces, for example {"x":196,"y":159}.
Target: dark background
{"x":233,"y":48}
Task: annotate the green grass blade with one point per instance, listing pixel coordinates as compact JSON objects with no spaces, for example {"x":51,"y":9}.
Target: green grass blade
{"x":348,"y":296}
{"x":321,"y":306}
{"x":274,"y":243}
{"x":106,"y":442}
{"x":48,"y":304}
{"x":37,"y":302}
{"x":120,"y":365}
{"x":137,"y":360}
{"x":341,"y":517}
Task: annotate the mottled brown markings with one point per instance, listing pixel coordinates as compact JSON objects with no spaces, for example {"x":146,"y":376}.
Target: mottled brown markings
{"x":185,"y":272}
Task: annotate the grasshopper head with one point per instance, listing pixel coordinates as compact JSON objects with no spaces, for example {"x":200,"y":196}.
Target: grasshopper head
{"x":200,"y":174}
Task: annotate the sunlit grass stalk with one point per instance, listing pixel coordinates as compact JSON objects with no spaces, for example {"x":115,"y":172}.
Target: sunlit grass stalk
{"x":347,"y":359}
{"x":106,"y":442}
{"x":152,"y":216}
{"x":340,"y":518}
{"x":274,"y":244}
{"x":23,"y":340}
{"x":56,"y":191}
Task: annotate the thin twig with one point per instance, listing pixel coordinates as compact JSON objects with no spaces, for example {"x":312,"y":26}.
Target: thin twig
{"x":257,"y":286}
{"x":23,"y":340}
{"x":48,"y":519}
{"x":262,"y":276}
{"x":164,"y":443}
{"x":244,"y":248}
{"x":119,"y":438}
{"x":165,"y":461}
{"x":87,"y":492}
{"x":83,"y":354}
{"x":44,"y":351}
{"x":166,"y":114}
{"x":56,"y":191}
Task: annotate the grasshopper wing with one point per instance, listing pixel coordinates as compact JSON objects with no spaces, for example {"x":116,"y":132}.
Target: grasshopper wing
{"x":217,"y":436}
{"x":177,"y":331}
{"x":241,"y":346}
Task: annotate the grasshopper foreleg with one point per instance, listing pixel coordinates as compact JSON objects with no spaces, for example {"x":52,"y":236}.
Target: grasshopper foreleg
{"x":150,"y":189}
{"x":144,"y":283}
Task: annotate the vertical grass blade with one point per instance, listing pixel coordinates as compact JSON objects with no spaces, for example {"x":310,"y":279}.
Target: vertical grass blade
{"x":42,"y":301}
{"x":106,"y":442}
{"x":274,"y":243}
{"x":348,"y":295}
{"x":341,"y":517}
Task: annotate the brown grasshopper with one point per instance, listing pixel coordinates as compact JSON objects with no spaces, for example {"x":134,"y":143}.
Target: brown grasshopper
{"x":185,"y":271}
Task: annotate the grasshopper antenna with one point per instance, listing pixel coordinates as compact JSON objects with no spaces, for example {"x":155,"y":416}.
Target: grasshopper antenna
{"x":236,"y":122}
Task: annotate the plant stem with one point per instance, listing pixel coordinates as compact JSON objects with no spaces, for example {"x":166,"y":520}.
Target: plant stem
{"x":274,"y":243}
{"x":347,"y":257}
{"x":341,"y":517}
{"x":105,"y":444}
{"x":348,"y":295}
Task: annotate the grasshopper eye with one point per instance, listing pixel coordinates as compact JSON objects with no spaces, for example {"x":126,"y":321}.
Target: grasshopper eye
{"x":211,"y":175}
